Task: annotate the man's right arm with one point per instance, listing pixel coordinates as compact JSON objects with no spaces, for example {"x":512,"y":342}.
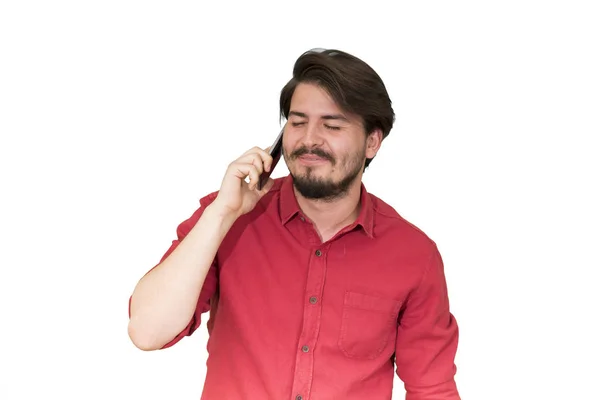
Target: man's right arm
{"x":165,"y":299}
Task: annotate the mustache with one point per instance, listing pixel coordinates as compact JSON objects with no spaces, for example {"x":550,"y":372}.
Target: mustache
{"x":317,"y":152}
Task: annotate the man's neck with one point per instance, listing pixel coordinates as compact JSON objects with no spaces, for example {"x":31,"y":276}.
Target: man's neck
{"x":330,"y":216}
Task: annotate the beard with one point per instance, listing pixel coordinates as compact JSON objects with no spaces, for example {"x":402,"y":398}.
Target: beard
{"x":315,"y":187}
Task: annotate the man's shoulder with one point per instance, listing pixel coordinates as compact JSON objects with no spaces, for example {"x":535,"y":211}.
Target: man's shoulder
{"x":389,"y":219}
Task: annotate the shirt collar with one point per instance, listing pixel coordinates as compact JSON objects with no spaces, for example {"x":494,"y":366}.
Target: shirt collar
{"x":289,"y":208}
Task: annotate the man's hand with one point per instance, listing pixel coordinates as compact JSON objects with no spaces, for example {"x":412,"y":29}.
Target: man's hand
{"x":236,"y":196}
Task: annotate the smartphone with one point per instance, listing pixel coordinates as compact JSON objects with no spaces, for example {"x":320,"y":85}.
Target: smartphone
{"x":275,"y":152}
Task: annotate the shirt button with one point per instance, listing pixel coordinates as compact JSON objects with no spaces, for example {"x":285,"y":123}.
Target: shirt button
{"x":318,"y":253}
{"x":298,"y":397}
{"x":313,"y":300}
{"x":305,"y":349}
{"x":302,"y":219}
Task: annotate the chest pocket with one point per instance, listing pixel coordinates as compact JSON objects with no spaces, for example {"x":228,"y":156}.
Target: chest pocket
{"x":368,"y":324}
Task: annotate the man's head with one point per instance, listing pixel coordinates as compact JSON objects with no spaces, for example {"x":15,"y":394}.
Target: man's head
{"x":338,"y":112}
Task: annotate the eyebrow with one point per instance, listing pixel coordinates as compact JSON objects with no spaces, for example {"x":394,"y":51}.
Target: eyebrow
{"x":328,"y":116}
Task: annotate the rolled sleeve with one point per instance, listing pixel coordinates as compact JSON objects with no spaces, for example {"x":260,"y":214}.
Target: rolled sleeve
{"x":208,"y":292}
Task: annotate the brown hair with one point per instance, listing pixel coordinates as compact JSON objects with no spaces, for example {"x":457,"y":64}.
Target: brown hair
{"x":352,"y":84}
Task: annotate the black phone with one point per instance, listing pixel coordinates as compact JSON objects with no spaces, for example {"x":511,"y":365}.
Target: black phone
{"x":275,"y":152}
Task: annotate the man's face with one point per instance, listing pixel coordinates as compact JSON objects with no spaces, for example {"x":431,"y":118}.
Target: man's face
{"x":323,"y":147}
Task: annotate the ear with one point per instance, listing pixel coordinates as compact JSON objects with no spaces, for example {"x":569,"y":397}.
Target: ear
{"x":374,"y":140}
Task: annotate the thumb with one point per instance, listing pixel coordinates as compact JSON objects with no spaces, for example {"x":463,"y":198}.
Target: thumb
{"x":268,"y":185}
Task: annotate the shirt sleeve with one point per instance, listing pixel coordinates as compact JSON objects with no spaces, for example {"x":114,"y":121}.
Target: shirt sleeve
{"x":427,"y":339}
{"x":208,"y":291}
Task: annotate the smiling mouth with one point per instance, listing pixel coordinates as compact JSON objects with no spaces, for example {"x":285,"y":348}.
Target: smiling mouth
{"x":311,"y":158}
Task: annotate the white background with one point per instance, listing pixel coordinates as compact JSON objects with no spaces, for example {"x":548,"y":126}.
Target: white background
{"x":117,"y":116}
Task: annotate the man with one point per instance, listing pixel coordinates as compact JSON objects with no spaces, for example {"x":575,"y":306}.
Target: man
{"x":315,"y":287}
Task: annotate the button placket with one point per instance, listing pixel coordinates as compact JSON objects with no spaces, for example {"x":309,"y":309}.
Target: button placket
{"x":308,"y":338}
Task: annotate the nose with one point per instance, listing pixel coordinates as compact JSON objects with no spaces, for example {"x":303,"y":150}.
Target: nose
{"x":312,"y":135}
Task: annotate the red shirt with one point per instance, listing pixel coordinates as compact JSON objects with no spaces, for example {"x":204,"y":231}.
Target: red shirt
{"x":301,"y":319}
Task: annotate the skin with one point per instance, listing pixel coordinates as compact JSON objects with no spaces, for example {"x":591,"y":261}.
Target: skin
{"x":325,"y":149}
{"x":325,"y":156}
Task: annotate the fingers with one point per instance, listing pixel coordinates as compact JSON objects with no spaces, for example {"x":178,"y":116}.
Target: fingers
{"x":256,"y":160}
{"x":259,"y":157}
{"x":250,"y":165}
{"x":243,"y":170}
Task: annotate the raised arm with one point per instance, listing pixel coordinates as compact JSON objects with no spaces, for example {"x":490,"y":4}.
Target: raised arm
{"x":167,"y":300}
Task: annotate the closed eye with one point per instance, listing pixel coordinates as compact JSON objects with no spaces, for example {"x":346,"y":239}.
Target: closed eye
{"x":333,"y":128}
{"x":297,"y":123}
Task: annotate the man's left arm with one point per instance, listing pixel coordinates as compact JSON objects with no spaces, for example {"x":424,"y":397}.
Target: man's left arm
{"x":427,"y":338}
